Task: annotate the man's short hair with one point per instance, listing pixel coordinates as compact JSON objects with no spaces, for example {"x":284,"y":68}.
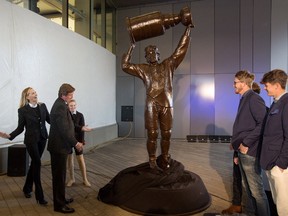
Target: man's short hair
{"x":65,"y":89}
{"x":275,"y":76}
{"x":246,"y":77}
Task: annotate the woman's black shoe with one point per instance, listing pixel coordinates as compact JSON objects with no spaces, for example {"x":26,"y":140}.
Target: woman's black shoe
{"x":28,"y":195}
{"x":42,"y":202}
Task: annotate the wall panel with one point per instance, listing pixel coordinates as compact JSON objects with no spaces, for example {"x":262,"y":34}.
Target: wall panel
{"x":202,"y":109}
{"x":202,"y":42}
{"x":262,"y":36}
{"x":226,"y":103}
{"x":279,"y":35}
{"x":227,"y":36}
{"x":246,"y":35}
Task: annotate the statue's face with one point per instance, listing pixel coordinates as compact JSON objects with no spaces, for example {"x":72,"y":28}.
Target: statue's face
{"x":152,"y":54}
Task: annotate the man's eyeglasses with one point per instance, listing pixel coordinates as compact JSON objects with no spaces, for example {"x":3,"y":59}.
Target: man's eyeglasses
{"x":235,"y":82}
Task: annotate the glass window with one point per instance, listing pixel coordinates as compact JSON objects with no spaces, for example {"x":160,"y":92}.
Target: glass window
{"x":79,"y":17}
{"x":97,"y":26}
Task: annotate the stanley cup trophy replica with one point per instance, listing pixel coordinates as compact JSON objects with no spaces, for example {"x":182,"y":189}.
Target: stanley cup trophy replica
{"x":155,"y":24}
{"x":160,"y":186}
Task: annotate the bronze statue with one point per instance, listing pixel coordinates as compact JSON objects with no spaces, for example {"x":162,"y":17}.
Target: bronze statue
{"x":158,"y":78}
{"x":171,"y":189}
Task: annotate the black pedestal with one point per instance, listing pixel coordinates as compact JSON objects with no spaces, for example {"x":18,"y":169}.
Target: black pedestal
{"x":18,"y":160}
{"x":145,"y":191}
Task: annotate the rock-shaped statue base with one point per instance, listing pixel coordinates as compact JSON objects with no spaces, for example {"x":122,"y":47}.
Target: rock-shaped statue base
{"x":146,"y":191}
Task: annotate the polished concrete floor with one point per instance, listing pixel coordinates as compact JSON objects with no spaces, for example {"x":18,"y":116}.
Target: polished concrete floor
{"x":211,"y":161}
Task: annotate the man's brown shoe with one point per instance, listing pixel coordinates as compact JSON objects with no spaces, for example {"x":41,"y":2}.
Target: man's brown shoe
{"x":233,"y":209}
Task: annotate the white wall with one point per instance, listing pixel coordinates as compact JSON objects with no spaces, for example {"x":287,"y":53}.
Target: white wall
{"x":39,"y":53}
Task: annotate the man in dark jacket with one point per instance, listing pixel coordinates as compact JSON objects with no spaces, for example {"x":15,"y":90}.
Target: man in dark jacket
{"x":245,"y":139}
{"x":61,"y":140}
{"x":274,"y":152}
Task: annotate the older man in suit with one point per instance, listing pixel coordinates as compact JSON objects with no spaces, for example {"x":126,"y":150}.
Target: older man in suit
{"x":245,"y":139}
{"x":274,"y":152}
{"x":61,"y":140}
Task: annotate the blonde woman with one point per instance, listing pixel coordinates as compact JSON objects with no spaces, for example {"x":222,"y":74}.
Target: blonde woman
{"x":80,"y":128}
{"x":32,"y":116}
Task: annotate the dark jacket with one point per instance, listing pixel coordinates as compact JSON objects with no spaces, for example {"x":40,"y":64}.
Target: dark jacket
{"x":33,"y":120}
{"x":61,"y":135}
{"x":249,"y":122}
{"x":274,"y":149}
{"x":79,"y":122}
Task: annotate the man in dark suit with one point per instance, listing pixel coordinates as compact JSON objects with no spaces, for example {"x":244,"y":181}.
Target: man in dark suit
{"x":245,"y":139}
{"x":274,"y":152}
{"x":61,"y":140}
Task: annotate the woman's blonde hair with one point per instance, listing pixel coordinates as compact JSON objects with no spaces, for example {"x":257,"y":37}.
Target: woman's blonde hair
{"x":23,"y":99}
{"x":72,"y":100}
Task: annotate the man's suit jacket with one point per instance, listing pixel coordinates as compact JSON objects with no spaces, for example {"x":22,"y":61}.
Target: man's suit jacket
{"x":79,"y":122}
{"x":61,"y":135}
{"x":248,"y":124}
{"x":33,"y":120}
{"x":275,"y":137}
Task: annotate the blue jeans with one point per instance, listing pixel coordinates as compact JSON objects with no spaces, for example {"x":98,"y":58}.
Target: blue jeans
{"x":237,"y":185}
{"x":252,"y":179}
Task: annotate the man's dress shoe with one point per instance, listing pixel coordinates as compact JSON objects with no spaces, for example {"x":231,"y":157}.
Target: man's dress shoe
{"x":70,"y":200}
{"x":65,"y":210}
